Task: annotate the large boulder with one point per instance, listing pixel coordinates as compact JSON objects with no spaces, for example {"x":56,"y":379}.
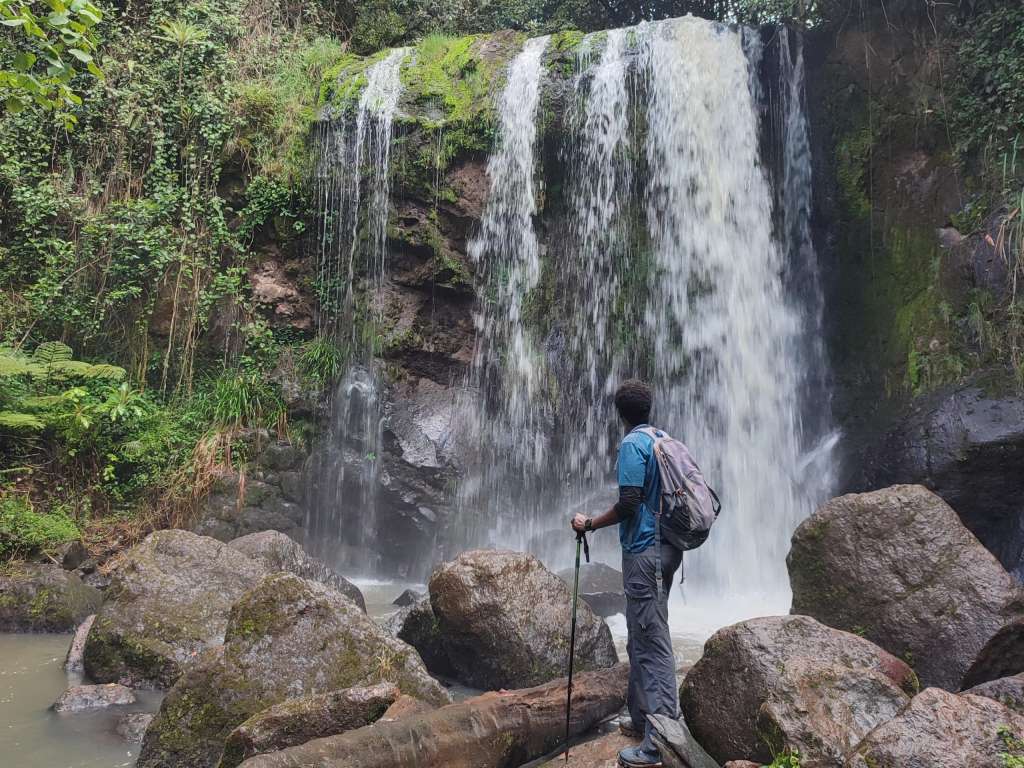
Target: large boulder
{"x":169,"y":600}
{"x":504,"y":618}
{"x":286,"y":638}
{"x":1006,"y":690}
{"x":898,"y":567}
{"x":282,"y":553}
{"x":1001,"y":656}
{"x":746,"y":664}
{"x":943,"y":730}
{"x":43,"y":597}
{"x":822,"y":711}
{"x":966,"y":443}
{"x":297,"y":721}
{"x":417,"y":626}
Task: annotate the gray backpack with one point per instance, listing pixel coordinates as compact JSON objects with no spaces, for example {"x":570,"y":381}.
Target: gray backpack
{"x":688,"y":506}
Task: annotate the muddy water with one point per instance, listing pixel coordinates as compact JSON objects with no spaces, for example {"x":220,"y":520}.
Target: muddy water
{"x":33,"y":736}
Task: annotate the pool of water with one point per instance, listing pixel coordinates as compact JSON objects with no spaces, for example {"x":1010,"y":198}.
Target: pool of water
{"x":34,"y":736}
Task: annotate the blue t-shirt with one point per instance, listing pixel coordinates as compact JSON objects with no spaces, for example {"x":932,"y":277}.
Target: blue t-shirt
{"x":639,"y":467}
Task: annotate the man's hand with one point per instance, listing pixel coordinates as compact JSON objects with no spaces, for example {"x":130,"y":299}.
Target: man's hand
{"x":579,"y":523}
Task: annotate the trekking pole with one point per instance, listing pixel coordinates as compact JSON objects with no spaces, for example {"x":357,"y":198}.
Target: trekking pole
{"x":581,"y":538}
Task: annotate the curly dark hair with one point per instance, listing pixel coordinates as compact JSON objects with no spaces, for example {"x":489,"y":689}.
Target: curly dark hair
{"x":633,"y":401}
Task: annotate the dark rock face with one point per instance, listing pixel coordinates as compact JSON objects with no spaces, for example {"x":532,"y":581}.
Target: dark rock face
{"x":297,"y":721}
{"x":600,"y":587}
{"x":503,"y":617}
{"x":1001,"y":656}
{"x":79,"y":698}
{"x":418,"y":626}
{"x":43,"y":597}
{"x":407,"y":598}
{"x":822,"y":711}
{"x":168,"y":602}
{"x":282,"y":553}
{"x":967,"y":445}
{"x":269,"y":497}
{"x":940,"y":730}
{"x":678,"y":747}
{"x":287,"y":638}
{"x":897,"y":566}
{"x":1008,"y":691}
{"x":746,"y":664}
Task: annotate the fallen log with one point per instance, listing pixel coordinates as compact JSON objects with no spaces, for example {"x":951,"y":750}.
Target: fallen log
{"x":500,"y":729}
{"x":678,"y":747}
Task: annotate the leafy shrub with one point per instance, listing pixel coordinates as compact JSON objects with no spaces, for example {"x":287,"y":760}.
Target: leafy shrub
{"x":786,"y":759}
{"x":989,"y":110}
{"x":321,"y":360}
{"x":238,"y":400}
{"x":23,"y":531}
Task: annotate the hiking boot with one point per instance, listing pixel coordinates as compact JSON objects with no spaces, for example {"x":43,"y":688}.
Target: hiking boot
{"x":635,"y":757}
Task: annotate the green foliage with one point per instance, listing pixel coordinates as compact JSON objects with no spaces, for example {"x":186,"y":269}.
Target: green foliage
{"x":321,"y":360}
{"x":237,"y":400}
{"x":786,"y":759}
{"x":988,"y":114}
{"x":56,"y":41}
{"x":23,"y":531}
{"x":1013,"y":754}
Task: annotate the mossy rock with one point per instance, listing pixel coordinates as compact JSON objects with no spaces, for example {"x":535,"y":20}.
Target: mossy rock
{"x":287,"y":638}
{"x":43,"y":597}
{"x":168,"y":601}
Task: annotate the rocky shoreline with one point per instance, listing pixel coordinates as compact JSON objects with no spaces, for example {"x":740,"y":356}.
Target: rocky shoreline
{"x":903,"y":650}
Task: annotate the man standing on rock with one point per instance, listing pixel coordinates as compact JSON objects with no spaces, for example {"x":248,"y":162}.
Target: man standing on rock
{"x":652,"y":678}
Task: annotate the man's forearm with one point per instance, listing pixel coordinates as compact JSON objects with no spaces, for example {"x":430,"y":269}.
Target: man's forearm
{"x":611,"y":517}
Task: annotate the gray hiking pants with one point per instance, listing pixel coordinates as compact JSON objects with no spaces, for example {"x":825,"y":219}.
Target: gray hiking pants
{"x":652,"y":665}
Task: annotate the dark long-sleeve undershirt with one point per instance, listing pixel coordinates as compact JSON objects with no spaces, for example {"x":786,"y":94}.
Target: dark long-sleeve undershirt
{"x":630,"y":499}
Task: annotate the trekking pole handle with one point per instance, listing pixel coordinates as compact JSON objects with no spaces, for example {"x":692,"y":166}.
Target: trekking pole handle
{"x":581,"y":536}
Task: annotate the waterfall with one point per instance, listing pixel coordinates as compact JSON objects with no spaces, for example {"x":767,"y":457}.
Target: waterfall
{"x":600,"y":185}
{"x":673,"y":242}
{"x":725,"y":334}
{"x":353,"y":152}
{"x":506,"y":362}
{"x":674,"y":271}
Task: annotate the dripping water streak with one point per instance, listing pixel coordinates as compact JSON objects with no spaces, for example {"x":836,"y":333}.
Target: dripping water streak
{"x":344,"y":492}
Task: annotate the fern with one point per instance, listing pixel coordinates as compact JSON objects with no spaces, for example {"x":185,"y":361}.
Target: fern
{"x":50,"y":352}
{"x":20,"y":421}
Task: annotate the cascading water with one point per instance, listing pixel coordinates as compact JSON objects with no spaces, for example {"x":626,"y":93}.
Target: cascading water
{"x":344,"y":488}
{"x":506,"y":362}
{"x":673,"y":272}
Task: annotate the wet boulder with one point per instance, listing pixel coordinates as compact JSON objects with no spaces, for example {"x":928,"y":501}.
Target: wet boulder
{"x":282,"y":553}
{"x":747,"y":664}
{"x":297,"y":721}
{"x":1008,"y":691}
{"x":418,"y":626}
{"x":287,"y":638}
{"x":504,"y":620}
{"x":43,"y":597}
{"x":898,"y":567}
{"x":169,"y":601}
{"x":131,"y":726}
{"x":79,"y":698}
{"x":1001,"y":656}
{"x":943,"y":730}
{"x":822,"y":711}
{"x":600,"y":587}
{"x":407,"y":598}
